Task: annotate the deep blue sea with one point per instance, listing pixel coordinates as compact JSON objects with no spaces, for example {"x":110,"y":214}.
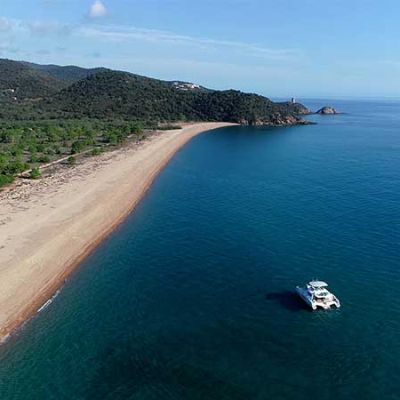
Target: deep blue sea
{"x":192,"y":297}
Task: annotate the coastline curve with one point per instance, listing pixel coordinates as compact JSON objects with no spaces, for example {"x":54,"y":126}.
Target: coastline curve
{"x":50,"y":226}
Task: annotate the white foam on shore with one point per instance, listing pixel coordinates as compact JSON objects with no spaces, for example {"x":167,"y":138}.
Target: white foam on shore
{"x":48,"y":302}
{"x":5,"y":338}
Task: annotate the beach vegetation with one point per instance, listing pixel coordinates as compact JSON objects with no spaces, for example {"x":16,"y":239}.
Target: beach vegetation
{"x":35,"y":173}
{"x":169,"y":127}
{"x":6,"y":179}
{"x":96,"y":151}
{"x":24,"y":144}
{"x":71,"y":160}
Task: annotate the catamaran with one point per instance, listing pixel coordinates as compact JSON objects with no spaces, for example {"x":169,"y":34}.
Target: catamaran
{"x":316,"y":295}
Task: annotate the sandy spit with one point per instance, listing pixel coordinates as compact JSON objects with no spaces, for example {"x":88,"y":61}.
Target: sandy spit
{"x":48,"y":226}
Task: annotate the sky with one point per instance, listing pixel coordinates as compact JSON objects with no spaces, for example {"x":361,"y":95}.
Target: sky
{"x":280,"y":48}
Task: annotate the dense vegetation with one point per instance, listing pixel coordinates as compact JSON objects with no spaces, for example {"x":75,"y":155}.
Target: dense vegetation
{"x":111,"y":93}
{"x":31,"y":91}
{"x":25,"y":145}
{"x":68,"y":74}
{"x":19,"y":82}
{"x":48,"y":111}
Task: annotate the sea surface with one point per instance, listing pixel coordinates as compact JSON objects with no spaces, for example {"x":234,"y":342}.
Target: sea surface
{"x":192,"y":297}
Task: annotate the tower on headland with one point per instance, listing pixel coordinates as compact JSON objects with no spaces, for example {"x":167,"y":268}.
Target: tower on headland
{"x":293,"y":100}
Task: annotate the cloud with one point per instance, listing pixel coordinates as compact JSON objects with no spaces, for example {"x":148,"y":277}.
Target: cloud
{"x":48,"y":28}
{"x":5,"y":24}
{"x":165,"y":37}
{"x":97,"y":10}
{"x":156,"y":37}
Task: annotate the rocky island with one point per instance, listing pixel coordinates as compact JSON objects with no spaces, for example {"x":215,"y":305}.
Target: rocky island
{"x":327,"y":110}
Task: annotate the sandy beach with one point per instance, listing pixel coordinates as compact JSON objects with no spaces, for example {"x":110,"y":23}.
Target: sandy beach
{"x":48,"y":226}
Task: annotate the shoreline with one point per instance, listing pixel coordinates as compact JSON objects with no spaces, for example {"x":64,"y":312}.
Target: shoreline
{"x":52,"y":224}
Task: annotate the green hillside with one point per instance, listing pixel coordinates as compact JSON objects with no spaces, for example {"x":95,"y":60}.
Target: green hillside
{"x":68,"y":74}
{"x":19,"y":82}
{"x":33,"y":91}
{"x":113,"y":94}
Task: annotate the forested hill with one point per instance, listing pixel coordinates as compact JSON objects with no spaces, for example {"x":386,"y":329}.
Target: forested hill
{"x":32,"y":91}
{"x":112,"y":93}
{"x":68,"y":74}
{"x":20,"y":82}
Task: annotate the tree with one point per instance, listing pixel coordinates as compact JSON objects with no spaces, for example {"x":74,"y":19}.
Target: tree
{"x":35,"y":173}
{"x":43,"y":158}
{"x":71,"y":161}
{"x":77,"y":147}
{"x":5,"y":179}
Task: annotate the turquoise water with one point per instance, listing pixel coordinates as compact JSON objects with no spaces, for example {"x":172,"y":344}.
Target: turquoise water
{"x":192,"y":297}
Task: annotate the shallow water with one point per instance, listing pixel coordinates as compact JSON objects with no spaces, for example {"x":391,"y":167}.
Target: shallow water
{"x":192,"y":297}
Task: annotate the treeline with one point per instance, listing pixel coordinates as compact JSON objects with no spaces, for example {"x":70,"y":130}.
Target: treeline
{"x":29,"y":144}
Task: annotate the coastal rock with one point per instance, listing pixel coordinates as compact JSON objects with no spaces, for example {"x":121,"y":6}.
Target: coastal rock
{"x":276,"y":119}
{"x":327,"y":111}
{"x":295,"y":108}
{"x":300,"y":109}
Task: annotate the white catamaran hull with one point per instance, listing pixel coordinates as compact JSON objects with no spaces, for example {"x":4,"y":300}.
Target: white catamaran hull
{"x":315,"y":304}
